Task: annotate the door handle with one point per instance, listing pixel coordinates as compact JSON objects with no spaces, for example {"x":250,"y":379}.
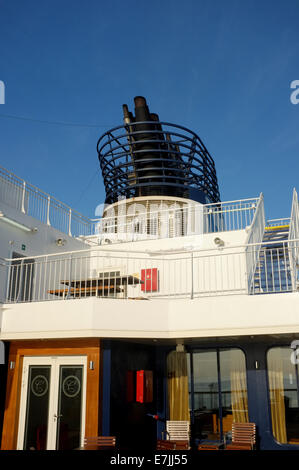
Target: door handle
{"x":57,"y":416}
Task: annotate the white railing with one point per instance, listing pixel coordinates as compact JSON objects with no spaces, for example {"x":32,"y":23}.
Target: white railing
{"x":293,"y":235}
{"x":273,"y":272}
{"x":254,"y":240}
{"x":134,"y":275}
{"x":231,"y":215}
{"x":136,"y":222}
{"x":30,"y":200}
{"x":278,"y":222}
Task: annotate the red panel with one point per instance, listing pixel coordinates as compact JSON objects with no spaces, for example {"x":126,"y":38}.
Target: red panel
{"x":140,"y":386}
{"x":150,"y":280}
{"x":144,"y":386}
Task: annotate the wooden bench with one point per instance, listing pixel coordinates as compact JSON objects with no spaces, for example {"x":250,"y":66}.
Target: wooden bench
{"x":166,"y":444}
{"x":211,"y":446}
{"x":85,"y":291}
{"x":99,"y":443}
{"x":243,"y":436}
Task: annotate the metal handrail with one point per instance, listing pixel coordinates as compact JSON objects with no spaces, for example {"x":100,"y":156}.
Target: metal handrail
{"x":255,"y":234}
{"x":294,"y":233}
{"x":32,"y":201}
{"x":191,"y":274}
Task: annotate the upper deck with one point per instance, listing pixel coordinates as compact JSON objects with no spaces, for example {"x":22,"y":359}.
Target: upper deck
{"x":141,"y":248}
{"x":180,"y":252}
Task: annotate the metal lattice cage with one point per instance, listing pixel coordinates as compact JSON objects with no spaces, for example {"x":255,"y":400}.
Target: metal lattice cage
{"x":153,"y":158}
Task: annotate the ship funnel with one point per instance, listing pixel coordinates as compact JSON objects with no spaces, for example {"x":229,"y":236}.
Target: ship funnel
{"x":147,"y":157}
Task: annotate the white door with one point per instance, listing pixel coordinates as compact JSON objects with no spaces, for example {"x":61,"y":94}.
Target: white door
{"x":52,"y":408}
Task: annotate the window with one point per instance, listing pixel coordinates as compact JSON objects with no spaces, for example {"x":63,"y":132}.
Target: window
{"x":283,"y":393}
{"x":109,"y":274}
{"x":152,"y":225}
{"x":217,"y":391}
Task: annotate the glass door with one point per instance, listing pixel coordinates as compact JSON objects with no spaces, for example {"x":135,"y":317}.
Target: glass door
{"x":69,"y":407}
{"x":217,"y":392}
{"x":52,"y":408}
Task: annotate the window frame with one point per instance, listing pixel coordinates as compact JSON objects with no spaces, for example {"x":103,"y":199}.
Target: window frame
{"x":218,"y":350}
{"x":275,"y":346}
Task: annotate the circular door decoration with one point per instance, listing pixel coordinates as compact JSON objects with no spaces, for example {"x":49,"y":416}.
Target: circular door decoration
{"x":39,"y":385}
{"x":71,"y":386}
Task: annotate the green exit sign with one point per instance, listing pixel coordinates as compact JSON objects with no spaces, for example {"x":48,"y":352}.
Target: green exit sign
{"x":23,"y":247}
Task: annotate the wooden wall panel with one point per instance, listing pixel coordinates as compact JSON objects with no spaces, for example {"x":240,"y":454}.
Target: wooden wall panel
{"x":19,"y":349}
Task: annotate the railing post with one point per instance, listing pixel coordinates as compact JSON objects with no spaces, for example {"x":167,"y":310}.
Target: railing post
{"x":48,"y":211}
{"x":70,"y":279}
{"x":23,"y":198}
{"x":70,"y":222}
{"x":8,"y":277}
{"x":191,"y":291}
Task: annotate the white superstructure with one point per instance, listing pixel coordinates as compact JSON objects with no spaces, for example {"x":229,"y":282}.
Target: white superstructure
{"x":151,"y":269}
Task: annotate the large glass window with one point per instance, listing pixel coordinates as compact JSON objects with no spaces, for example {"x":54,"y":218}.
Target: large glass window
{"x":217,"y":391}
{"x":233,"y":388}
{"x":205,"y":394}
{"x":283,"y":392}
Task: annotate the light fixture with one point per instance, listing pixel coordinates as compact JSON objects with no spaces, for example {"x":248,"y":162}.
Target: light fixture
{"x":218,"y":242}
{"x":10,"y":221}
{"x":60,"y":242}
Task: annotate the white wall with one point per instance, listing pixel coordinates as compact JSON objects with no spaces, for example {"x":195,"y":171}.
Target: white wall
{"x":205,"y":317}
{"x":29,"y":244}
{"x":212,"y":269}
{"x":40,"y":242}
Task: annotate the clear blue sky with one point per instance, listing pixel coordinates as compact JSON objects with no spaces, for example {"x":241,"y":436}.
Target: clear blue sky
{"x":222,"y":68}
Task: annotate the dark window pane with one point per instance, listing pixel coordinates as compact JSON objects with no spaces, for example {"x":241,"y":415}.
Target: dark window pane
{"x":233,"y":388}
{"x":206,"y":402}
{"x":36,"y":424}
{"x":69,"y":407}
{"x":210,"y":416}
{"x":283,"y":391}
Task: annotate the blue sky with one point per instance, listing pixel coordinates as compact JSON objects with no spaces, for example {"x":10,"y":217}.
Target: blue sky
{"x":222,"y":68}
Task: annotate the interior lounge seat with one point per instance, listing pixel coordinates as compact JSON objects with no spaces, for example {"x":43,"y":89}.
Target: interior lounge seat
{"x":243,"y":437}
{"x":178,"y":436}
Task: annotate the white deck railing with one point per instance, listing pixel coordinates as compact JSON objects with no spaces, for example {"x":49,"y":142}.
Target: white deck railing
{"x":134,"y":224}
{"x":123,"y":275}
{"x":231,"y":215}
{"x":254,"y":240}
{"x":278,"y":222}
{"x":31,"y":201}
{"x":294,"y":234}
{"x":137,"y":222}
